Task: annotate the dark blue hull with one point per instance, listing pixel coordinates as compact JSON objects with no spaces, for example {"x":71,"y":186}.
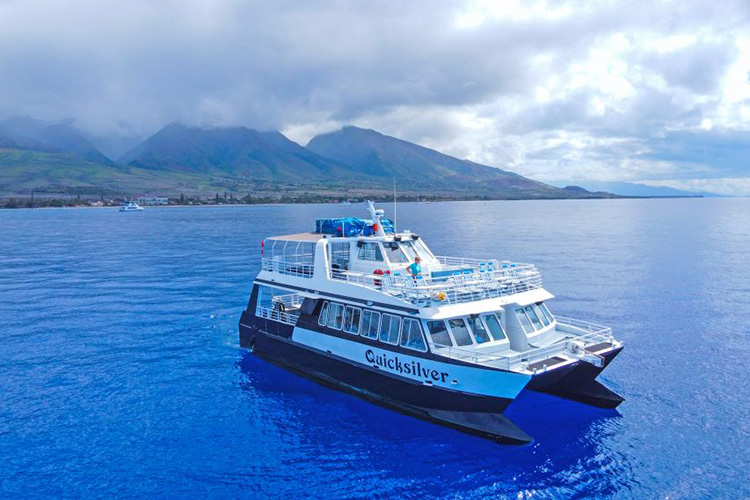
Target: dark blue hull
{"x":474,"y":413}
{"x":578,"y":383}
{"x":481,"y":415}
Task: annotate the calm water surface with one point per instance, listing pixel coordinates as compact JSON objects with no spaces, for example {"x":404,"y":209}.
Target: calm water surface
{"x":122,"y":375}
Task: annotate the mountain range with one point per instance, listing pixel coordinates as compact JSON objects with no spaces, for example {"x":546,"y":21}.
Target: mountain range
{"x":636,"y":189}
{"x":178,"y":158}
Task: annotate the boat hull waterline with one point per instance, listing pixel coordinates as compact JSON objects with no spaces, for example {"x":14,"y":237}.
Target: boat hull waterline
{"x":478,"y":414}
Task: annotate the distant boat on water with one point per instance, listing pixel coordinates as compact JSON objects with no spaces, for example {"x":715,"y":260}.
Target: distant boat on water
{"x":131,"y":207}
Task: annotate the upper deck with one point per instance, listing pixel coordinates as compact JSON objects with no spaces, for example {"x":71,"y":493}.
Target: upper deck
{"x":379,"y":262}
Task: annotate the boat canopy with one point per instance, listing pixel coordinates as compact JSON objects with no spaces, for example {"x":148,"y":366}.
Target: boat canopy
{"x":350,"y":226}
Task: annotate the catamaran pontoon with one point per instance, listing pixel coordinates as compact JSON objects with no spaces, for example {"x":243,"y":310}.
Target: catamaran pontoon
{"x":454,"y":345}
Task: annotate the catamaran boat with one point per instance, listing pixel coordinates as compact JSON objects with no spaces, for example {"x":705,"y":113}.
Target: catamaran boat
{"x":131,"y":207}
{"x":455,"y":344}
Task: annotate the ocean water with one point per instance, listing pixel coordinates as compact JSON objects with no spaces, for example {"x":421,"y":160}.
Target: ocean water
{"x":121,"y":373}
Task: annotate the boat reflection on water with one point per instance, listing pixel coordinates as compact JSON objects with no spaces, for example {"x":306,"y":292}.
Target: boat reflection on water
{"x":569,"y":451}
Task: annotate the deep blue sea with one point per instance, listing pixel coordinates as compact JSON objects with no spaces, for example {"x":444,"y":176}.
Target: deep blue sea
{"x":121,"y":375}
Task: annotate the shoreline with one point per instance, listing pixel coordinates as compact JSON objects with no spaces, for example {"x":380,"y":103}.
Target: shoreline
{"x":223,"y":205}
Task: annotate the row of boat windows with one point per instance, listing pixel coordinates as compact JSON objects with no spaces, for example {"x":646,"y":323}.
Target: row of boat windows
{"x":534,"y":317}
{"x":395,"y":251}
{"x":407,"y":332}
{"x":387,"y":328}
{"x":474,"y":329}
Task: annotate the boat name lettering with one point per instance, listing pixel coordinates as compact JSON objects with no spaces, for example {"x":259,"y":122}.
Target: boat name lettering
{"x":409,"y":368}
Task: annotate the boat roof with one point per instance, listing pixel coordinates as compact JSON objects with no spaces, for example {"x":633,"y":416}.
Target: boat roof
{"x":299,"y":237}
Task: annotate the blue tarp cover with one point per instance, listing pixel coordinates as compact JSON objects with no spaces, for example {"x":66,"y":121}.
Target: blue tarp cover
{"x":349,"y":226}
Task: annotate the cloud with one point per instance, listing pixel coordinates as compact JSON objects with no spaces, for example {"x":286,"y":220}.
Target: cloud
{"x":609,"y":90}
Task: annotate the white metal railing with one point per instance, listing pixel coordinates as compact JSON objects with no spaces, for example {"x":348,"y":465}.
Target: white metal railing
{"x":583,"y":331}
{"x":287,"y":267}
{"x":290,"y":301}
{"x":276,"y":315}
{"x":457,"y":262}
{"x":453,"y":288}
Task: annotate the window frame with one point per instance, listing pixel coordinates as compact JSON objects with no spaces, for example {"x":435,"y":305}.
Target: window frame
{"x":323,"y":314}
{"x":499,"y":319}
{"x":398,"y":333}
{"x":529,"y":310}
{"x":419,"y":329}
{"x":546,"y":311}
{"x":388,"y":247}
{"x":468,"y":320}
{"x":542,"y":317}
{"x":523,"y":327}
{"x":446,"y":330}
{"x":343,"y":319}
{"x":468,"y":331}
{"x":378,"y":252}
{"x":330,"y":310}
{"x":377,"y":326}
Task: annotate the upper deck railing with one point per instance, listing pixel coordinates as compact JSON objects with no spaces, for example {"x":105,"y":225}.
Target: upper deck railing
{"x":290,"y":267}
{"x":284,"y":309}
{"x":582,"y":331}
{"x":461,"y":280}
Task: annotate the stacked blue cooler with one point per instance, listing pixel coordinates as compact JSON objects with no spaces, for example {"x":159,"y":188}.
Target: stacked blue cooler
{"x":350,"y":226}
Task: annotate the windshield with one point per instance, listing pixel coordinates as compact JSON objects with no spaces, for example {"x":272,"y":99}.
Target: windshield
{"x":422,"y":249}
{"x":408,"y":248}
{"x":394,"y":253}
{"x":405,"y":251}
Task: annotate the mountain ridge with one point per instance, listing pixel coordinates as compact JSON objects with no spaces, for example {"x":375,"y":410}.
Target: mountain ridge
{"x":381,"y":155}
{"x":238,"y":151}
{"x":27,"y":133}
{"x":181,"y":158}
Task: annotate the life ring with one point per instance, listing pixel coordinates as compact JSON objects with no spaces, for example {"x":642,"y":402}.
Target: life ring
{"x":378,"y":272}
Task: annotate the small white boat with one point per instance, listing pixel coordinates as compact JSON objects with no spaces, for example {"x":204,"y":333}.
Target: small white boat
{"x":131,"y":207}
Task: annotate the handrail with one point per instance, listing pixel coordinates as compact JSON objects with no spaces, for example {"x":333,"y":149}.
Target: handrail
{"x":276,"y":315}
{"x":452,"y":289}
{"x":289,"y":268}
{"x":290,"y":301}
{"x":592,"y":334}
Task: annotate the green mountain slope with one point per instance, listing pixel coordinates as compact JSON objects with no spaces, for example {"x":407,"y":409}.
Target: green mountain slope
{"x":24,"y":132}
{"x":375,"y":154}
{"x":235,"y":151}
{"x":24,"y":170}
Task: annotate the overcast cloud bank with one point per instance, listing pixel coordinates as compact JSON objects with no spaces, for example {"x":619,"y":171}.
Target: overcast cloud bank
{"x":657,"y":92}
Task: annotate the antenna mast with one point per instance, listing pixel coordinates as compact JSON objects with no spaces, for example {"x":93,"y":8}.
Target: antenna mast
{"x":395,"y":214}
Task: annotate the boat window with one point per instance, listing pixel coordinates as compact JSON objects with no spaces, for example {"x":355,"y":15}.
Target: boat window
{"x":408,"y":248}
{"x":460,"y":331}
{"x":533,"y":317}
{"x":340,"y":255}
{"x":477,"y":328}
{"x":439,"y":333}
{"x":543,"y":306}
{"x":422,"y":249}
{"x":543,"y":317}
{"x":411,"y":336}
{"x":370,"y":251}
{"x":352,"y":315}
{"x":394,"y":253}
{"x":495,"y":326}
{"x":524,"y":320}
{"x":268,"y":296}
{"x":335,"y":315}
{"x":370,"y":324}
{"x":389,"y":329}
{"x":323,"y":318}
